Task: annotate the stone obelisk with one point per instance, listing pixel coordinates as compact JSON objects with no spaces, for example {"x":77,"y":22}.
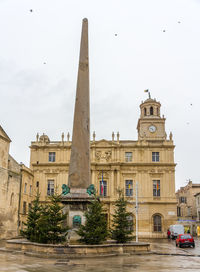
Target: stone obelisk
{"x":79,"y":168}
{"x":78,"y":193}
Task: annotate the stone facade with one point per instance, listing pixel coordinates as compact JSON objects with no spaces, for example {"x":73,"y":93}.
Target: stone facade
{"x":16,"y":183}
{"x":10,"y":178}
{"x":149,"y":160}
{"x":186,"y":208}
{"x":197,"y":200}
{"x":27,"y":193}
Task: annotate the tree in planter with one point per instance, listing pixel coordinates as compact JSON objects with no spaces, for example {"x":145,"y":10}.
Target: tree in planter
{"x":51,"y":222}
{"x":31,"y":232}
{"x":121,"y":231}
{"x":95,"y":229}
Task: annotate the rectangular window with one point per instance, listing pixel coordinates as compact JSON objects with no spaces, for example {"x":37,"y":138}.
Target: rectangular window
{"x":30,"y":190}
{"x":37,"y":184}
{"x":178,"y":211}
{"x":128,"y":156}
{"x":24,"y":207}
{"x":50,"y":187}
{"x":103,"y":188}
{"x":129,"y":187}
{"x":182,"y":199}
{"x":25,"y":186}
{"x":155,"y":156}
{"x":199,"y":216}
{"x":156,"y":187}
{"x":52,"y":156}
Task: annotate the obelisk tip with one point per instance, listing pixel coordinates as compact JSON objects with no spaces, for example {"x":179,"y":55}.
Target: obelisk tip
{"x":85,"y":20}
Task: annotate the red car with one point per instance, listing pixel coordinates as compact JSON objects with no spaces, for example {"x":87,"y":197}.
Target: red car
{"x":185,"y":240}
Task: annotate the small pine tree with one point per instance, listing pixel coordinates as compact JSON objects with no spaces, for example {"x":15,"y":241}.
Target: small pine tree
{"x":95,"y":229}
{"x":51,"y":222}
{"x":31,"y":231}
{"x":121,"y":231}
{"x":43,"y":225}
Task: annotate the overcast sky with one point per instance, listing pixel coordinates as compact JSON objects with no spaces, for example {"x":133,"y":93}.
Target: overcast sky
{"x":157,"y":47}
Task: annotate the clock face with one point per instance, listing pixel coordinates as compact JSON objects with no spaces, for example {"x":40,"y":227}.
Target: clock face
{"x":152,"y":128}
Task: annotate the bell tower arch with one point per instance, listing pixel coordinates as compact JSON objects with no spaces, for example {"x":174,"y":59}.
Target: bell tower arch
{"x":151,"y":126}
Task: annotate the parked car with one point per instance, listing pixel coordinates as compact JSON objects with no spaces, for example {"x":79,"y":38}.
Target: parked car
{"x":185,"y":240}
{"x":176,"y":230}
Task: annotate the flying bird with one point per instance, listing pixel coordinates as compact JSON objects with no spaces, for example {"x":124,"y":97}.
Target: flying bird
{"x":44,"y":63}
{"x":31,"y":10}
{"x":179,"y":22}
{"x":115,"y":34}
{"x":164,"y":30}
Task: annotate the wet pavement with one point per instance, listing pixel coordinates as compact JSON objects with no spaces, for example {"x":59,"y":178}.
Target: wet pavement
{"x":164,"y":257}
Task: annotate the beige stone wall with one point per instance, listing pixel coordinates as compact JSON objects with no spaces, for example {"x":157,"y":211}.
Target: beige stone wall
{"x":4,"y":151}
{"x":188,"y":209}
{"x":28,"y":193}
{"x":109,"y":156}
{"x":9,"y":195}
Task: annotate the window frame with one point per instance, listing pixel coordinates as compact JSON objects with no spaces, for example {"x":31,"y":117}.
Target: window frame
{"x":25,"y":187}
{"x":156,"y":188}
{"x":155,"y":156}
{"x":24,"y":207}
{"x":178,"y":211}
{"x":127,"y":157}
{"x":50,"y":188}
{"x":157,"y":225}
{"x":128,"y":191}
{"x":105,"y":188}
{"x":52,"y":156}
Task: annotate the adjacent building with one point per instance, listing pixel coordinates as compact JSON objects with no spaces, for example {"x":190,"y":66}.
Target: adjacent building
{"x":187,"y":208}
{"x":10,"y":180}
{"x":16,"y":181}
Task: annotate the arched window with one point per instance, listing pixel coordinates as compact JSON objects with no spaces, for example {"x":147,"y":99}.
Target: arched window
{"x":151,"y":110}
{"x":145,"y":111}
{"x":157,"y":223}
{"x":158,"y":111}
{"x":76,"y":221}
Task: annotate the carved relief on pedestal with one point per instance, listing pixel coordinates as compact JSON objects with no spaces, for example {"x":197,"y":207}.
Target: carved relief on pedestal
{"x":102,"y":156}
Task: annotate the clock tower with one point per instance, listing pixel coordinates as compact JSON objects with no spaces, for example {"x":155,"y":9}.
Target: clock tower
{"x":151,"y":126}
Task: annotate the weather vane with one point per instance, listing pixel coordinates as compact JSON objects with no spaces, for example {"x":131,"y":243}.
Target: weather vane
{"x":147,"y":91}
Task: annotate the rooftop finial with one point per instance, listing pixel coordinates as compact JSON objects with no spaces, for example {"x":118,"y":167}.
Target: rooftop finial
{"x":147,"y":91}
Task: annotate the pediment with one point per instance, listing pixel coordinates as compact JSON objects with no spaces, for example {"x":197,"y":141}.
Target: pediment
{"x":104,"y":143}
{"x":3,"y":135}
